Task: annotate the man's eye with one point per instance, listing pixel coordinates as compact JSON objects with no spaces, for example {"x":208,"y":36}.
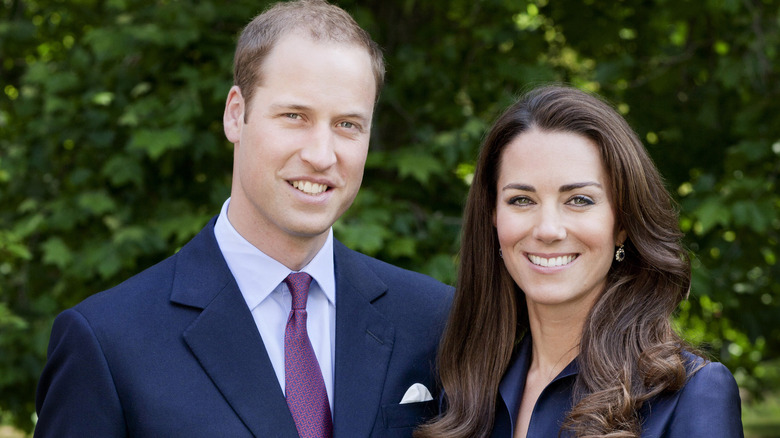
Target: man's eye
{"x":292,"y":115}
{"x":348,"y":125}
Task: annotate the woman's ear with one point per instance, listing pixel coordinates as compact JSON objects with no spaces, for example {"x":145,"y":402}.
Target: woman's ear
{"x":621,"y":237}
{"x":233,"y":118}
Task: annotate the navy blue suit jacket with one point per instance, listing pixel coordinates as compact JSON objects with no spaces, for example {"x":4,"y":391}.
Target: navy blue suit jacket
{"x":174,"y":352}
{"x":707,"y":406}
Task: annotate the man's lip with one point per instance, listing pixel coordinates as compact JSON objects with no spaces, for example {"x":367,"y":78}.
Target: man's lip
{"x":310,"y":186}
{"x":324,"y":181}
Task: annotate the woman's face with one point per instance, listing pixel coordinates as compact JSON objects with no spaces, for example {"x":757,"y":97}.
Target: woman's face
{"x":555,"y":219}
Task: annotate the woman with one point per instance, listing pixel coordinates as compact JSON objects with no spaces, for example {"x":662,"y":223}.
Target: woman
{"x":571,"y":266}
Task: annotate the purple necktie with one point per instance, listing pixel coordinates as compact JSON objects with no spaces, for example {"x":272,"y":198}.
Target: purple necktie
{"x":304,"y":387}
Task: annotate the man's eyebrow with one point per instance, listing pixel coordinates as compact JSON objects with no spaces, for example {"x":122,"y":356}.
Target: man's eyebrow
{"x":355,"y":115}
{"x":289,"y":106}
{"x":301,"y":107}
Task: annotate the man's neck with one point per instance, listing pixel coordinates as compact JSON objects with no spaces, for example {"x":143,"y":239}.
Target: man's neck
{"x":294,"y":252}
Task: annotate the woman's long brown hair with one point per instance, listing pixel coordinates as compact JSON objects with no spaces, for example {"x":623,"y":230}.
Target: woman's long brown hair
{"x":628,"y":349}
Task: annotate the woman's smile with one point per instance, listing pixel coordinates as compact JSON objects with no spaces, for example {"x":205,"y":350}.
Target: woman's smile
{"x":553,"y":261}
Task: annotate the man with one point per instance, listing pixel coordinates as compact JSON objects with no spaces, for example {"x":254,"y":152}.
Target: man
{"x":263,"y":325}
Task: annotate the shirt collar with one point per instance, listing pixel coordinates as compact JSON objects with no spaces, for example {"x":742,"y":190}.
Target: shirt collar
{"x":257,"y":274}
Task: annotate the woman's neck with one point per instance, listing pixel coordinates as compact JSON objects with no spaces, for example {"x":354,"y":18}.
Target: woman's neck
{"x":556,"y":334}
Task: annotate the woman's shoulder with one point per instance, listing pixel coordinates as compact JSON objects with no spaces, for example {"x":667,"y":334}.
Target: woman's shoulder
{"x":709,"y":401}
{"x":707,"y":405}
{"x":703,"y":372}
{"x":707,"y":379}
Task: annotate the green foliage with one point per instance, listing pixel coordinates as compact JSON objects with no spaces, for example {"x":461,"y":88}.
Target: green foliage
{"x":112,"y":153}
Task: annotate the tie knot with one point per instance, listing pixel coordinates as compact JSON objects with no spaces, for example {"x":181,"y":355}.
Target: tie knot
{"x":298,"y":283}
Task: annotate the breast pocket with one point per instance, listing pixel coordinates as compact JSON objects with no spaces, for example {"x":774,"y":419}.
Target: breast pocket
{"x":408,"y":415}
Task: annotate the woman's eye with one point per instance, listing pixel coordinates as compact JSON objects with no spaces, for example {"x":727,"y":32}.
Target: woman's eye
{"x":520,"y":200}
{"x":581,"y":200}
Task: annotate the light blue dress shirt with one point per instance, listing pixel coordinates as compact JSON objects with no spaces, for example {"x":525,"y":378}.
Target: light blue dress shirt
{"x":260,"y":279}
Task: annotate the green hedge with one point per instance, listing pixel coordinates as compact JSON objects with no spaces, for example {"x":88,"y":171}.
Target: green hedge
{"x":112,"y":153}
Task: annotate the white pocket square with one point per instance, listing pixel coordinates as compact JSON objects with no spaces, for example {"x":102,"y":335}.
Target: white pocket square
{"x":416,"y":393}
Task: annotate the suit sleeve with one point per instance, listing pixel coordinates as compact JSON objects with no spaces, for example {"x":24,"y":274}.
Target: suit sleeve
{"x":76,"y":396}
{"x":709,"y":405}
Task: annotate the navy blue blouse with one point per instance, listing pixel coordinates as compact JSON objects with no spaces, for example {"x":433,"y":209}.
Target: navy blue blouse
{"x":707,"y":406}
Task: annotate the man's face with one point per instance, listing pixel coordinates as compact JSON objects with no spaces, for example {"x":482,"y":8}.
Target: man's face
{"x":298,"y":159}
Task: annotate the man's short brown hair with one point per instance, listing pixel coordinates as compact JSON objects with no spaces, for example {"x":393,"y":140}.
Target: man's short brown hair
{"x":317,"y":19}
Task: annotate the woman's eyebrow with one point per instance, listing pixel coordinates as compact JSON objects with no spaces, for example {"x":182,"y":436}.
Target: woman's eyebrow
{"x":516,"y":186}
{"x":574,"y":186}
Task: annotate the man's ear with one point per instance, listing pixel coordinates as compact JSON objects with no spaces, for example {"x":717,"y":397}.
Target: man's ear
{"x":233,"y":119}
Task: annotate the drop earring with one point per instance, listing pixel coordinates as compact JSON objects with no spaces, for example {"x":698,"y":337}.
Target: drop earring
{"x":500,"y":253}
{"x":620,"y":254}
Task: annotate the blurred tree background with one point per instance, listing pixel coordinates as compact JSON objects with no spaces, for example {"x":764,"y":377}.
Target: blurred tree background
{"x":112,"y":153}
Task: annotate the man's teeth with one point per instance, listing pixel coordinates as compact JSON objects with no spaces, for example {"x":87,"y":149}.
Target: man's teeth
{"x":551,"y":262}
{"x":309,"y":187}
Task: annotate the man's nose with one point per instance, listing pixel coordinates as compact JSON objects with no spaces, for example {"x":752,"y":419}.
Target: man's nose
{"x":320,"y":148}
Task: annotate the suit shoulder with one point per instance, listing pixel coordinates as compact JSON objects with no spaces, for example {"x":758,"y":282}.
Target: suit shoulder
{"x":199,"y":258}
{"x":396,"y":276}
{"x":394,"y":290}
{"x":150,"y":285}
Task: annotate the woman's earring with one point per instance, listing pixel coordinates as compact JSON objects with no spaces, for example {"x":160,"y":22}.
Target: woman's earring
{"x":620,"y":254}
{"x":500,"y":253}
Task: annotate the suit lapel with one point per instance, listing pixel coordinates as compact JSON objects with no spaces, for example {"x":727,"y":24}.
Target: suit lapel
{"x":225,"y":340}
{"x":364,"y":342}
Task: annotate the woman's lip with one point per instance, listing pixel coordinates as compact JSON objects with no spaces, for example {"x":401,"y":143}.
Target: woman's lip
{"x":551,"y":260}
